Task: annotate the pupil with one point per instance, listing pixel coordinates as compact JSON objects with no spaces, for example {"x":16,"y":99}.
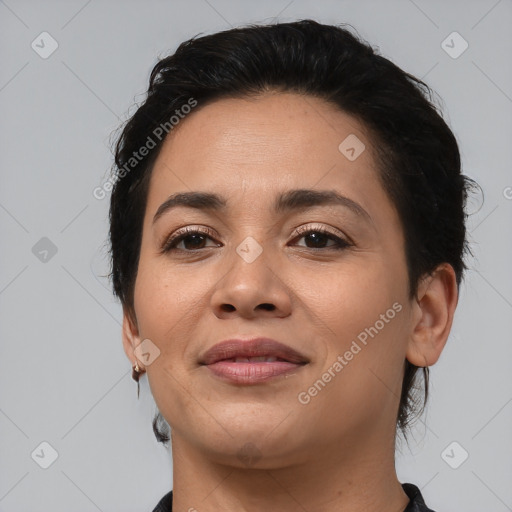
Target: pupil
{"x":196,"y":239}
{"x":316,"y":238}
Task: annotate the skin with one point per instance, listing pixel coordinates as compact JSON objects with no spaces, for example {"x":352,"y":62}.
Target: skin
{"x":337,"y":451}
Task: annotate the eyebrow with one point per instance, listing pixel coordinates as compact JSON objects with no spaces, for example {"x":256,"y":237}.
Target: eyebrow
{"x":287,"y":201}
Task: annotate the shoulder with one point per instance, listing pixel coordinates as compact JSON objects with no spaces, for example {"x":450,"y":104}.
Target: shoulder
{"x":165,"y":504}
{"x":417,"y":503}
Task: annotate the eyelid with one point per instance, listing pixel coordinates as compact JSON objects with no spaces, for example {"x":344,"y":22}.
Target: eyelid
{"x":301,"y":230}
{"x":181,"y":232}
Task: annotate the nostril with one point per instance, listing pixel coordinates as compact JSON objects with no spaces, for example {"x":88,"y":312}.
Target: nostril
{"x":266,"y":306}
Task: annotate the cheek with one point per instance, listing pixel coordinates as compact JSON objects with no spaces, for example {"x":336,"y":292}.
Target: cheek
{"x":171,"y":305}
{"x":362,"y":317}
{"x":164,"y":298}
{"x":167,"y":305}
{"x":354,"y":296}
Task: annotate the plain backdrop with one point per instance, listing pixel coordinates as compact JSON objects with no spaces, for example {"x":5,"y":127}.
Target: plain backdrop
{"x":64,"y":378}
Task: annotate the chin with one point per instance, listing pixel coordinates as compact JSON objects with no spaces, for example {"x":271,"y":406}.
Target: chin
{"x":254,"y":451}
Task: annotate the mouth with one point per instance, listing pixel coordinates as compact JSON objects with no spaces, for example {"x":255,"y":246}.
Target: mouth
{"x":252,"y":361}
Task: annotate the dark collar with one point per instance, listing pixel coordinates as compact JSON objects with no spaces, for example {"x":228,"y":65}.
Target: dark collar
{"x":417,"y":504}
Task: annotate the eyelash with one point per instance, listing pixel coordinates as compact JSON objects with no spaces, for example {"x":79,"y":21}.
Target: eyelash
{"x":170,"y":244}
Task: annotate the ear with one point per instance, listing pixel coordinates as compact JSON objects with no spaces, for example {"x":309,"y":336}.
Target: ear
{"x":131,"y":337}
{"x":433,"y":311}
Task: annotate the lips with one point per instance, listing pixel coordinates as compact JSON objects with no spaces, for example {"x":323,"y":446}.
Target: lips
{"x":252,"y":361}
{"x":246,"y":351}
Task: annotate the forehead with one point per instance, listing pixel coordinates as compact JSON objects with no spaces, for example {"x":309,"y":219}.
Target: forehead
{"x":266,"y":144}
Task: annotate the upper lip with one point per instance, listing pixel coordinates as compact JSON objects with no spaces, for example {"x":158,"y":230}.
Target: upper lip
{"x":257,"y":347}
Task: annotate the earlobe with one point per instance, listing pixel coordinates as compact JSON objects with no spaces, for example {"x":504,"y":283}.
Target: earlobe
{"x":434,"y":308}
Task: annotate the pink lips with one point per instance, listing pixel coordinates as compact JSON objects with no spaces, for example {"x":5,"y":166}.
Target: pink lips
{"x":251,"y":361}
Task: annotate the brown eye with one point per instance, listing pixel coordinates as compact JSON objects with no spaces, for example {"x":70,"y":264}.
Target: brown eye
{"x":191,"y":238}
{"x":317,"y":238}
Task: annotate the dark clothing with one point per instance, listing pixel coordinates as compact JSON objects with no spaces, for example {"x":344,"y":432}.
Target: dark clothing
{"x":415,"y":505}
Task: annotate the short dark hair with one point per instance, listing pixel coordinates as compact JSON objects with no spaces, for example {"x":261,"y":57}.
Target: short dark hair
{"x":416,"y":152}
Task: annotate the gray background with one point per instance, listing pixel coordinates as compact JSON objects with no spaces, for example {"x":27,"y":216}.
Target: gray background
{"x":64,"y":377}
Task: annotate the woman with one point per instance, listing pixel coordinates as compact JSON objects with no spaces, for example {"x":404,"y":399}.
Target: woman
{"x":287,"y":239}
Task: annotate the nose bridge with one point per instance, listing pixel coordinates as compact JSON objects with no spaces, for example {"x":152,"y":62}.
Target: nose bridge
{"x":251,"y":284}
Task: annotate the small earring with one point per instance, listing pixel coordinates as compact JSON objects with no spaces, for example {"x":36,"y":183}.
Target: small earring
{"x":136,"y":371}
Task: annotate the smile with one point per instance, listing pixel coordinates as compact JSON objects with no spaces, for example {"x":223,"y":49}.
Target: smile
{"x":252,"y":361}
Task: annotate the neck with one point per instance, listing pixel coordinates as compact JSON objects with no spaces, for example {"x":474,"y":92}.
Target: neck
{"x":328,"y":480}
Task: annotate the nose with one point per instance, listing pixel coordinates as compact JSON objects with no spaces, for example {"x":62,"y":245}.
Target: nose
{"x":251,"y":290}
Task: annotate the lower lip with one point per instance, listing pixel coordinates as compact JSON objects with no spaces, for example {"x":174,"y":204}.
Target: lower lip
{"x":252,"y":373}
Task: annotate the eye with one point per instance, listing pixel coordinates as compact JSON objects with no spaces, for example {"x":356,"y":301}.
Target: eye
{"x":192,"y":237}
{"x":318,"y":236}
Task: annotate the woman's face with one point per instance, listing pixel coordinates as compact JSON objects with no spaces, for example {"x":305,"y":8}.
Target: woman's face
{"x":326,"y":278}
